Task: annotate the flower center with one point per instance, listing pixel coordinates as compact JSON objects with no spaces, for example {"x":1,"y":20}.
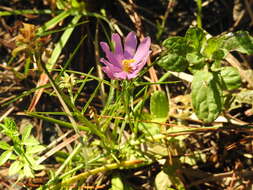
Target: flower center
{"x":126,"y":65}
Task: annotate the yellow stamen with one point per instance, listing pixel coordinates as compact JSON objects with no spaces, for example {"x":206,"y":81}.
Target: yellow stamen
{"x":126,"y":65}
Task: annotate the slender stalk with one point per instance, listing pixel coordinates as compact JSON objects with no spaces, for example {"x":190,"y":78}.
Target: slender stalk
{"x":199,"y":13}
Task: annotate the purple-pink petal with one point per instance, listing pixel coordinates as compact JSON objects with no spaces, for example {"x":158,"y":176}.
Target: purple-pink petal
{"x":130,"y":45}
{"x":108,"y":71}
{"x":143,"y":49}
{"x":118,"y":45}
{"x":121,"y":75}
{"x":109,"y":55}
{"x":114,"y":68}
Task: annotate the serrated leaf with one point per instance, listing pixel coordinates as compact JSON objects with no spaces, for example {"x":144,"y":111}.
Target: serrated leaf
{"x":159,"y":105}
{"x":239,"y":41}
{"x":195,"y":37}
{"x":173,"y":62}
{"x":4,"y":145}
{"x":5,"y":156}
{"x":27,"y":131}
{"x":15,"y":167}
{"x":230,"y":77}
{"x":206,"y":96}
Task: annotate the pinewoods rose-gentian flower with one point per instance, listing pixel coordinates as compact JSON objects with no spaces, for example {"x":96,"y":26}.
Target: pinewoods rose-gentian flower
{"x":125,"y":62}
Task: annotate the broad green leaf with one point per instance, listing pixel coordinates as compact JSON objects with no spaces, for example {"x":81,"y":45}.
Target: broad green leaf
{"x":207,"y":97}
{"x":159,"y":105}
{"x":15,"y":167}
{"x":177,"y":45}
{"x":5,"y":156}
{"x":27,"y":131}
{"x":195,"y":38}
{"x":117,"y":183}
{"x":4,"y":145}
{"x":230,"y":78}
{"x":173,"y":62}
{"x":195,"y":58}
{"x":162,"y":181}
{"x":239,"y":41}
{"x":212,"y":48}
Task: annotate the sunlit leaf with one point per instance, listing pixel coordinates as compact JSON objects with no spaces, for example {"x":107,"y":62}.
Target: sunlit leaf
{"x":207,"y":97}
{"x":5,"y":156}
{"x":159,"y":105}
{"x":230,"y":77}
{"x":15,"y":167}
{"x":4,"y":145}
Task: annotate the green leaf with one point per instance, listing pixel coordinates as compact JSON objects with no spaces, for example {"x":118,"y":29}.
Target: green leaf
{"x":176,"y":45}
{"x":230,"y":77}
{"x":195,"y":38}
{"x":4,"y":145}
{"x":212,"y":48}
{"x":5,"y":156}
{"x":27,"y":131}
{"x":162,"y":181}
{"x":15,"y":167}
{"x":31,"y":141}
{"x":195,"y":58}
{"x":173,"y":62}
{"x":10,"y":126}
{"x":206,"y":96}
{"x":117,"y":183}
{"x":28,"y":171}
{"x":159,"y":105}
{"x":34,"y":149}
{"x":240,"y":41}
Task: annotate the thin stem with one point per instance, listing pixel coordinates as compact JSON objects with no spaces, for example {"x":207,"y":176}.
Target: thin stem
{"x":199,"y":13}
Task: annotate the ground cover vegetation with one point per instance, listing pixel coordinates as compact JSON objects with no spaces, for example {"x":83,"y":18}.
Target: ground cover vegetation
{"x":125,"y":95}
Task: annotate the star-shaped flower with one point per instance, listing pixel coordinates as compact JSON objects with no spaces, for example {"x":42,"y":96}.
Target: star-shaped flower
{"x":125,"y":62}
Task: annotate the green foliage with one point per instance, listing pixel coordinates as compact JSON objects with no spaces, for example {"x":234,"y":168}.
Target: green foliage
{"x":203,"y":55}
{"x":159,"y":105}
{"x":22,"y":150}
{"x":206,"y":95}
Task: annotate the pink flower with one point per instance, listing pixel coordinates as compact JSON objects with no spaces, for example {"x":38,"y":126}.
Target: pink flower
{"x":127,"y":61}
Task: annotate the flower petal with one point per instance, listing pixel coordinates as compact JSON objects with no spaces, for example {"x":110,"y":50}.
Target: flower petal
{"x":109,"y":55}
{"x":112,"y":67}
{"x":143,"y":62}
{"x":130,"y":45}
{"x":118,"y":46}
{"x":143,"y":49}
{"x":108,"y":72}
{"x":120,"y":75}
{"x":138,"y":66}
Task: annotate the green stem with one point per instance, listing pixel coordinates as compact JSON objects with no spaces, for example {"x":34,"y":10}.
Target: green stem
{"x":199,"y":13}
{"x":108,"y":167}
